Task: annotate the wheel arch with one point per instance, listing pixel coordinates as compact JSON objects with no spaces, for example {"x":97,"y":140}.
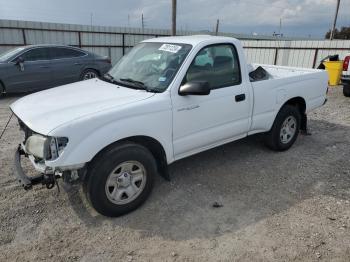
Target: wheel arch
{"x":153,"y":145}
{"x":298,"y":102}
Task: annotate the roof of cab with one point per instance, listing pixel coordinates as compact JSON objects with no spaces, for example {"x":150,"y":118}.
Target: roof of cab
{"x":191,"y":39}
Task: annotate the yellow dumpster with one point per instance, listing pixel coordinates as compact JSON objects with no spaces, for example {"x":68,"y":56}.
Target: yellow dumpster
{"x":334,"y":69}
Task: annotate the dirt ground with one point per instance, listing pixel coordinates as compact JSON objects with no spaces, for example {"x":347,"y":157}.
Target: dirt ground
{"x":285,"y":206}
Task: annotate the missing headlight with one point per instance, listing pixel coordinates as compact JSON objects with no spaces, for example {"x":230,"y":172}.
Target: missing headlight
{"x":56,"y":146}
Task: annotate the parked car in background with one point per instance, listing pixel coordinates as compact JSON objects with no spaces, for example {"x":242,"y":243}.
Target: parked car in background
{"x":38,"y":67}
{"x":346,"y":75}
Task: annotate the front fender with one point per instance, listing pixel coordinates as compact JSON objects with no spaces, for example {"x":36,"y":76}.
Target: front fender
{"x":85,"y":142}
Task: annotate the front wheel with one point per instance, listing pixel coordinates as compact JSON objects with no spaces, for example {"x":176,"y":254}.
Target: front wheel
{"x":285,"y":129}
{"x":120,"y":179}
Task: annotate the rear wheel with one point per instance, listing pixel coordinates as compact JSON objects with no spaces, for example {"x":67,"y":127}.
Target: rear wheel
{"x":88,"y":74}
{"x":120,"y":179}
{"x":285,"y":129}
{"x":346,"y":90}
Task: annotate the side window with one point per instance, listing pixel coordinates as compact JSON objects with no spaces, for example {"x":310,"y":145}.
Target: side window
{"x":36,"y":54}
{"x":61,"y":52}
{"x":216,"y":64}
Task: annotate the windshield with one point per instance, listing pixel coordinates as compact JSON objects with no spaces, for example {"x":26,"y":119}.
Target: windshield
{"x":8,"y":54}
{"x":150,"y":66}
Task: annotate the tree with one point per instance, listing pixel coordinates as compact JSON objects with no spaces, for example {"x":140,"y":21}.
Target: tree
{"x":343,"y":33}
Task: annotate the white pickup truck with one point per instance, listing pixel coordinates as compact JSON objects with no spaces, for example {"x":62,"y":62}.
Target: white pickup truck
{"x":167,"y":99}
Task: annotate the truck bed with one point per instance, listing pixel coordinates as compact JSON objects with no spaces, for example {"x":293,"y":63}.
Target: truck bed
{"x":282,"y":84}
{"x":278,"y":72}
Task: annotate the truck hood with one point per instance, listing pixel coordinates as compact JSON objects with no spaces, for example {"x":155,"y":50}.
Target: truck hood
{"x":44,"y":111}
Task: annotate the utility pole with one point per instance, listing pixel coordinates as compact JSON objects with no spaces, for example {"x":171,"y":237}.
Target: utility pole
{"x":335,"y":21}
{"x":173,"y":20}
{"x":142,"y":23}
{"x":92,"y":37}
{"x":217,"y":27}
{"x":280,"y":28}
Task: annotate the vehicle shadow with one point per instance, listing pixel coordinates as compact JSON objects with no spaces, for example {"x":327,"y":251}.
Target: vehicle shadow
{"x":250,"y":181}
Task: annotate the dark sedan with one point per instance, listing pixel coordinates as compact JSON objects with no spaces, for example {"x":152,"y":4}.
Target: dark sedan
{"x":38,"y":67}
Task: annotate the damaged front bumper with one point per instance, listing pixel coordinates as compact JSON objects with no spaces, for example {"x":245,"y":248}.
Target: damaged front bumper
{"x":48,"y":176}
{"x":28,"y":181}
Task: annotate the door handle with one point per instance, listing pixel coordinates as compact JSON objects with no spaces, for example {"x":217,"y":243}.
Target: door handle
{"x":77,"y":63}
{"x":43,"y":66}
{"x":240,"y":97}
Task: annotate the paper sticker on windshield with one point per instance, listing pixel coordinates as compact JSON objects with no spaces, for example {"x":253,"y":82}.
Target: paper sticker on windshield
{"x":162,"y":79}
{"x":170,"y":48}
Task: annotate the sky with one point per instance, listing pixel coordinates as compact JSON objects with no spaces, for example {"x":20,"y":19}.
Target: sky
{"x":298,"y":17}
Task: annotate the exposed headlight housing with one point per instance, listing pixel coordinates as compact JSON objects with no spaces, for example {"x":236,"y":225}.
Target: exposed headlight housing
{"x":35,"y":145}
{"x":56,"y":146}
{"x":48,"y":148}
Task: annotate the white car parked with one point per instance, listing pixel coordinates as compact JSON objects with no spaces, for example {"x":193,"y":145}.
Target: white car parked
{"x":167,"y":99}
{"x":346,"y":75}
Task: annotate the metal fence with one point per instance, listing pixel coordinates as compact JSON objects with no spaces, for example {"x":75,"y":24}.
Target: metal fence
{"x":116,"y":41}
{"x":110,"y":41}
{"x":298,"y":53}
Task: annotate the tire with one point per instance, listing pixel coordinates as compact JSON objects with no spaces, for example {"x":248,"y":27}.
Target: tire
{"x":281,"y":137}
{"x":346,"y":90}
{"x":88,"y":74}
{"x":117,"y":166}
{"x":2,"y":90}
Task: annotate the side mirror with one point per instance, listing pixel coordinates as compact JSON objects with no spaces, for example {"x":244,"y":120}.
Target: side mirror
{"x":199,"y":88}
{"x":19,"y":60}
{"x":20,"y":63}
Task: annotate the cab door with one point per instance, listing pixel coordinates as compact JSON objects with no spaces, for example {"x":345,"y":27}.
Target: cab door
{"x":201,"y":122}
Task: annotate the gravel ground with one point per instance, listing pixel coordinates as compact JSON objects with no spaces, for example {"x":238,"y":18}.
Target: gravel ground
{"x":285,"y":206}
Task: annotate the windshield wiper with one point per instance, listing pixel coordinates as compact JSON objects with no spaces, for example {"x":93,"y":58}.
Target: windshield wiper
{"x":109,"y":78}
{"x":132,"y":81}
{"x":138,"y":84}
